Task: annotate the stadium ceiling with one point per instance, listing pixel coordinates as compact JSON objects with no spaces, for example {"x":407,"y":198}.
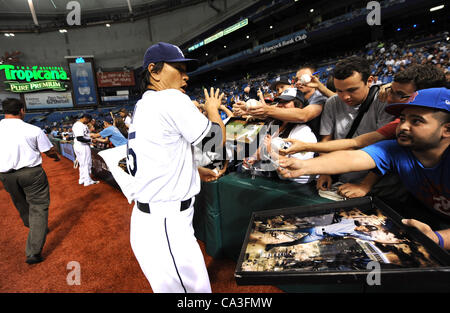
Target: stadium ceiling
{"x":48,"y":15}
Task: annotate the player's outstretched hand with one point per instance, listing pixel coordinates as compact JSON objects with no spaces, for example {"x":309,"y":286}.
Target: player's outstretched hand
{"x":208,"y":175}
{"x":213,"y":100}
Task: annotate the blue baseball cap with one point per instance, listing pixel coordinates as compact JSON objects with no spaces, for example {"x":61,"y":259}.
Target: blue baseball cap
{"x":280,"y":80}
{"x":434,"y":98}
{"x":166,"y":52}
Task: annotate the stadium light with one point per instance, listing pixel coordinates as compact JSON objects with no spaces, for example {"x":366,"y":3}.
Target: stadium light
{"x":206,"y":53}
{"x":271,"y":27}
{"x":248,"y":37}
{"x":437,"y":8}
{"x":224,"y":47}
{"x":312,"y":10}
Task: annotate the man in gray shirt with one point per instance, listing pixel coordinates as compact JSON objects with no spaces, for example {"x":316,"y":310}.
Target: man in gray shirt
{"x":352,"y":81}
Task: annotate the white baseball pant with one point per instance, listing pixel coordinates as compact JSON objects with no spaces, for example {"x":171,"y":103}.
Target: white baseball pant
{"x":168,"y":253}
{"x":83,"y":154}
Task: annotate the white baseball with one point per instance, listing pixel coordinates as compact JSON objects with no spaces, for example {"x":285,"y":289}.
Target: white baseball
{"x":277,"y":143}
{"x":305,"y":78}
{"x":251,"y":103}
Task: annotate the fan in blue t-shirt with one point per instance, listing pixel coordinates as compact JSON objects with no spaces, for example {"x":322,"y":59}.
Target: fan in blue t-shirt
{"x":112,"y":133}
{"x":420,"y":155}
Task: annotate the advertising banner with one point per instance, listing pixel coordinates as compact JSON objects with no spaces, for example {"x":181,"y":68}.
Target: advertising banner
{"x":83,"y":82}
{"x":115,"y":79}
{"x":21,"y":79}
{"x":47,"y":100}
{"x":283,"y":42}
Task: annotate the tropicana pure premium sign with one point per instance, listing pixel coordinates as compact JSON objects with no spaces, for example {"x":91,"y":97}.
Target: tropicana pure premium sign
{"x":26,"y":79}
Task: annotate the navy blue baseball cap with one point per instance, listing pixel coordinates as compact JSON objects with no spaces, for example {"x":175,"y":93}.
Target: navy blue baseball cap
{"x":166,"y":52}
{"x":108,"y":120}
{"x":280,"y":80}
{"x":291,"y":94}
{"x":434,"y":98}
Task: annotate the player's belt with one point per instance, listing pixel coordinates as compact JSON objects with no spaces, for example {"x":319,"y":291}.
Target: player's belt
{"x":145,"y":207}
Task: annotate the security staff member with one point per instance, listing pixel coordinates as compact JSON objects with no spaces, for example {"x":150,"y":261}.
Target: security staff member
{"x":165,"y":126}
{"x":22,"y":175}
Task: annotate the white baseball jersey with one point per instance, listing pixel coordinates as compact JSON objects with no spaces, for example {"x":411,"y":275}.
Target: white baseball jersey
{"x":80,"y":129}
{"x":165,"y":126}
{"x":22,"y":144}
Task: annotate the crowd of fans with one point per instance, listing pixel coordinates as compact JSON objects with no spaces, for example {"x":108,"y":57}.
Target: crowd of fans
{"x":310,"y":111}
{"x":387,"y":58}
{"x":297,"y":107}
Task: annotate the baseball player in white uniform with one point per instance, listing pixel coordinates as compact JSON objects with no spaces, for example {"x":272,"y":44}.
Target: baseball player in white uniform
{"x":165,"y":126}
{"x":82,"y":149}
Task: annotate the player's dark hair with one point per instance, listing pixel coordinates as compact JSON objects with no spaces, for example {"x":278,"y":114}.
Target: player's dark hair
{"x":423,"y":76}
{"x":346,"y":67}
{"x":87,"y":116}
{"x":145,"y":76}
{"x":12,"y":106}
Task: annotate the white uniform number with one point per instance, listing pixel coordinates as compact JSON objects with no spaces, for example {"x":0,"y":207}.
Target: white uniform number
{"x":131,"y":156}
